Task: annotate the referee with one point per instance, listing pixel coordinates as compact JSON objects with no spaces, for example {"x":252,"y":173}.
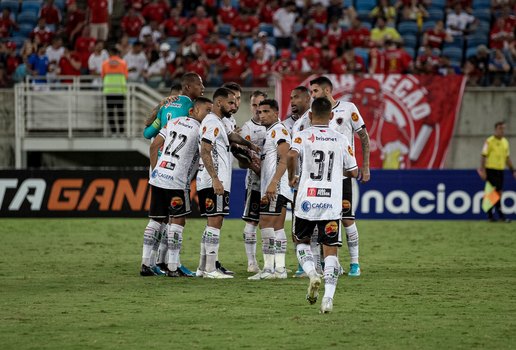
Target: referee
{"x":495,"y":155}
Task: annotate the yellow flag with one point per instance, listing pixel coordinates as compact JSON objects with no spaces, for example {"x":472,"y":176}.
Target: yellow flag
{"x":491,"y":197}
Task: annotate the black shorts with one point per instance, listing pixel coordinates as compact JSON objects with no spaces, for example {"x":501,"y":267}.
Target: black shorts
{"x":212,"y":205}
{"x":347,"y":199}
{"x":273,"y":207}
{"x":329,"y":231}
{"x":166,"y":202}
{"x":495,"y":177}
{"x":252,"y":206}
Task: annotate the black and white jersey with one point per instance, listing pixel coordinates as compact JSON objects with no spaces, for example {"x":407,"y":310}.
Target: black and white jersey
{"x":255,"y":133}
{"x":347,"y":120}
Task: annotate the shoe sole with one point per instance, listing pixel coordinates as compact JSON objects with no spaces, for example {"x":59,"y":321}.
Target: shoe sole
{"x":313,"y":290}
{"x":354,"y":274}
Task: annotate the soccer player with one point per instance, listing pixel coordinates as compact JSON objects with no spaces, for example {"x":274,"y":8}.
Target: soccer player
{"x":348,"y":121}
{"x":214,"y":179}
{"x":252,"y":131}
{"x":299,"y":105}
{"x":275,"y":192}
{"x":324,"y":153}
{"x":172,"y":174}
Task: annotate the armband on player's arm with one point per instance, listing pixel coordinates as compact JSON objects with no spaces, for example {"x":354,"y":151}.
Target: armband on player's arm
{"x":153,"y":129}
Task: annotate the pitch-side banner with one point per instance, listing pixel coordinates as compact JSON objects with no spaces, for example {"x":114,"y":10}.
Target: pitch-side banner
{"x":391,"y":194}
{"x":410,"y":118}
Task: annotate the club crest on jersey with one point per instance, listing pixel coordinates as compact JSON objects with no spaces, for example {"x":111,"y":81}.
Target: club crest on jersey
{"x":354,"y":117}
{"x":350,"y":151}
{"x":284,"y":131}
{"x":248,"y":138}
{"x":209,"y":204}
{"x":203,"y":130}
{"x":331,"y":229}
{"x":264,"y":202}
{"x":346,"y":205}
{"x":216,"y":132}
{"x":339,"y":120}
{"x":301,"y":128}
{"x":177,"y":203}
{"x":273,"y":133}
{"x":297,"y":140}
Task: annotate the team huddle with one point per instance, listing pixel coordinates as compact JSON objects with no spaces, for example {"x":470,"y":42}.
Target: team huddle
{"x":307,"y":160}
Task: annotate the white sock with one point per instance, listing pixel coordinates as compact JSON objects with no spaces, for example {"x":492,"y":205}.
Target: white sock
{"x":352,"y":238}
{"x":155,"y":247}
{"x":268,"y":248}
{"x":281,"y":249}
{"x":316,"y":250}
{"x":163,"y":244}
{"x":149,"y":238}
{"x":212,"y":247}
{"x":250,"y":243}
{"x":202,"y":254}
{"x":331,"y":275}
{"x":175,"y":241}
{"x":305,"y":258}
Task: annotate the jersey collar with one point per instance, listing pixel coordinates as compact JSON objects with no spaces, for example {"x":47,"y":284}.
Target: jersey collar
{"x":273,"y":125}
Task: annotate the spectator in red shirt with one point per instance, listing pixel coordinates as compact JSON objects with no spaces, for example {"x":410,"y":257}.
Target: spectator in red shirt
{"x":251,"y":4}
{"x":69,"y":64}
{"x":203,"y":24}
{"x":213,"y":48}
{"x":6,"y":23}
{"x":42,"y":34}
{"x":501,"y":35}
{"x":232,"y":64}
{"x":284,"y":65}
{"x":310,"y":60}
{"x":132,"y":23}
{"x":197,"y":65}
{"x":357,"y":35}
{"x":226,"y":13}
{"x":397,"y":60}
{"x":258,"y":71}
{"x":157,"y":10}
{"x":427,"y":61}
{"x":84,"y":46}
{"x":354,"y":64}
{"x":175,"y":25}
{"x":245,"y":26}
{"x":436,"y":36}
{"x":334,"y":34}
{"x":319,"y":13}
{"x":338,"y":64}
{"x":376,"y":60}
{"x":50,"y":13}
{"x":267,"y":11}
{"x":310,"y":34}
{"x":98,"y":15}
{"x":75,"y":21}
{"x":13,"y":60}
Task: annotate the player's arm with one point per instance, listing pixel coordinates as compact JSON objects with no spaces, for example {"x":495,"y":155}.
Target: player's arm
{"x":292,"y":160}
{"x":236,"y":138}
{"x":483,"y":156}
{"x":281,"y":167}
{"x":351,"y":173}
{"x":206,"y":148}
{"x":364,"y":141}
{"x":156,"y":145}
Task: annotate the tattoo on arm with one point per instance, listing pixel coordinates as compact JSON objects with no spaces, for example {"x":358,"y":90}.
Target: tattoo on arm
{"x":364,"y":140}
{"x":207,"y":160}
{"x":151,"y":118}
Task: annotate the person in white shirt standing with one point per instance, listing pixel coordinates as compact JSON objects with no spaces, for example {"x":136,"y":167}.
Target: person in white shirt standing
{"x":97,"y":57}
{"x":137,"y":62}
{"x":283,"y":21}
{"x":269,"y":51}
{"x":324,"y":154}
{"x":275,"y":192}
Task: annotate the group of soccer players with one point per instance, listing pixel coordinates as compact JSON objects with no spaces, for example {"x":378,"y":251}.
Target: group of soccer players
{"x":308,"y":160}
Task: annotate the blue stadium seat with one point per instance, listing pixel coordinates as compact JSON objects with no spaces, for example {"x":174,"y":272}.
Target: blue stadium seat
{"x":481,"y":4}
{"x":224,"y":29}
{"x":435,"y":14}
{"x":454,"y":53}
{"x":174,"y":44}
{"x":18,"y":40}
{"x":27,"y":18}
{"x":31,"y":5}
{"x":271,"y":40}
{"x":265,"y":27}
{"x":60,"y":4}
{"x":408,"y":27}
{"x":458,"y":42}
{"x":411,"y":51}
{"x":427,"y":25}
{"x":347,"y":3}
{"x":477,"y":39}
{"x":25,"y":29}
{"x":132,"y":40}
{"x":437,"y":4}
{"x":482,"y":14}
{"x":484,"y":27}
{"x":235,"y":4}
{"x":12,"y":5}
{"x":364,"y":53}
{"x":365,"y":5}
{"x":363,"y":15}
{"x":409,"y":40}
{"x":472,"y":51}
{"x":367,"y":25}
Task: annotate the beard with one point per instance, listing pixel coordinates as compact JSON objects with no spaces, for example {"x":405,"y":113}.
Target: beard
{"x":226,"y":113}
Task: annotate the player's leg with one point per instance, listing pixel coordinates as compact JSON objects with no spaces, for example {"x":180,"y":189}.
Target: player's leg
{"x":350,"y":227}
{"x":280,"y":240}
{"x":268,"y":247}
{"x":301,"y":235}
{"x":331,"y":239}
{"x":299,"y":273}
{"x":251,"y":217}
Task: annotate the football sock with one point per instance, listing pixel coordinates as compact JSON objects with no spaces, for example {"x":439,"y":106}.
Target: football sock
{"x":155,"y":247}
{"x":331,"y":275}
{"x":305,"y":258}
{"x":175,"y":241}
{"x":149,"y":237}
{"x":268,"y":248}
{"x":212,"y":247}
{"x":281,"y":249}
{"x":352,"y":238}
{"x":316,"y":251}
{"x":250,"y":243}
{"x":202,"y":255}
{"x":163,"y":245}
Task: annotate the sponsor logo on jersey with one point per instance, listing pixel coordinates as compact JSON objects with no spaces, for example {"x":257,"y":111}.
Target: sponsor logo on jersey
{"x":350,"y":151}
{"x":312,"y":138}
{"x":354,"y":117}
{"x":154,"y":173}
{"x":167,"y":165}
{"x":284,"y":131}
{"x":176,"y":203}
{"x":331,"y":229}
{"x":216,"y":132}
{"x":273,"y":133}
{"x":318,"y":192}
{"x":306,"y":206}
{"x":175,"y":123}
{"x":346,"y":205}
{"x":209,"y":204}
{"x":297,"y":140}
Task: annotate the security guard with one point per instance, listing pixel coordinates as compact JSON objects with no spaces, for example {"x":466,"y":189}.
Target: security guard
{"x":114,"y":76}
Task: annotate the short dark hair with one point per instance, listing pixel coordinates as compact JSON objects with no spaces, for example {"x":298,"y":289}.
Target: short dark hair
{"x":232,"y":86}
{"x":257,"y":93}
{"x":176,"y":87}
{"x":114,"y":50}
{"x":322,"y":81}
{"x":302,"y":89}
{"x":501,"y":122}
{"x":188,"y":78}
{"x":272,"y":103}
{"x":201,"y":100}
{"x":321,"y":107}
{"x":222,"y":92}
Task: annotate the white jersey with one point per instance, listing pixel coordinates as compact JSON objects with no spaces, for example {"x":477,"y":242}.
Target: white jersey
{"x":230,"y":125}
{"x":212,"y":131}
{"x":289,"y":123}
{"x":301,"y":123}
{"x":179,"y":160}
{"x":347,"y":120}
{"x":254,"y":132}
{"x":323,"y":153}
{"x":276,"y":134}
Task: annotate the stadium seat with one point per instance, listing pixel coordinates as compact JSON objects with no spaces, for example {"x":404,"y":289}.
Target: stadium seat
{"x":409,"y":40}
{"x":25,"y":29}
{"x":476,"y":39}
{"x":365,"y":5}
{"x":347,"y":3}
{"x":132,"y":40}
{"x":454,"y":53}
{"x":27,"y":18}
{"x":18,"y":40}
{"x":408,"y":27}
{"x":31,"y":5}
{"x":363,"y":15}
{"x":174,"y":44}
{"x":235,"y":4}
{"x":224,"y":29}
{"x":471,"y":51}
{"x":483,"y":27}
{"x":481,"y":4}
{"x":458,"y":42}
{"x":272,"y":40}
{"x":265,"y":27}
{"x":367,"y":25}
{"x":437,"y":4}
{"x":12,"y":5}
{"x":427,"y":25}
{"x":60,"y":4}
{"x":364,"y":53}
{"x":435,"y":14}
{"x":482,"y":14}
{"x":411,"y":51}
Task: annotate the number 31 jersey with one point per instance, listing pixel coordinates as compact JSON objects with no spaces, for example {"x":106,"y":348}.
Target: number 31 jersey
{"x":324,"y":154}
{"x":179,"y":160}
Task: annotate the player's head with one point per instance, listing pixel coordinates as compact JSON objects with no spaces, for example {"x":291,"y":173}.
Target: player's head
{"x":321,"y":87}
{"x":268,"y":112}
{"x":202,"y":106}
{"x":499,"y":129}
{"x":223,"y":102}
{"x":256,"y":97}
{"x":113,"y":51}
{"x":321,"y":113}
{"x":191,"y":84}
{"x":299,"y":100}
{"x":176,"y":89}
{"x":368,"y":96}
{"x":237,"y":90}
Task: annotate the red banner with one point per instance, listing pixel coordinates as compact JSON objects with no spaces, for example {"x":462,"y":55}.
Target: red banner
{"x":410,"y":118}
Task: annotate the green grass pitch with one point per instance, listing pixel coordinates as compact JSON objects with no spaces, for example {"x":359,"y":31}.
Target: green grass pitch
{"x":74,"y":284}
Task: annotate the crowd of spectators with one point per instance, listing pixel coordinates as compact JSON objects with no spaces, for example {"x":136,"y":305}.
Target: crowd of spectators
{"x":253,"y":41}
